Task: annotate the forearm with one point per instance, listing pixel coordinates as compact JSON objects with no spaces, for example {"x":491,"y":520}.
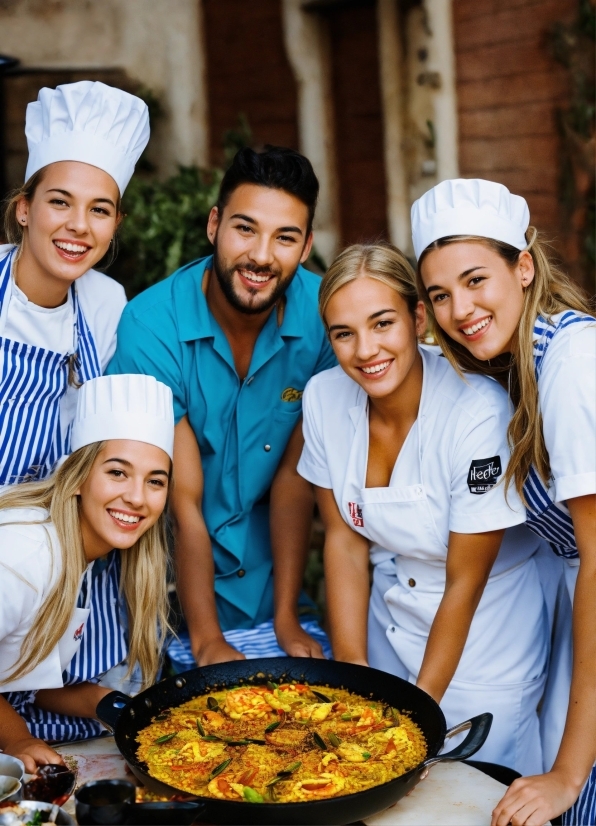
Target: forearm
{"x":447,"y":638}
{"x":12,"y":726}
{"x":73,"y":700}
{"x":292,"y":502}
{"x":348,"y":592}
{"x":577,"y":753}
{"x":195,"y":581}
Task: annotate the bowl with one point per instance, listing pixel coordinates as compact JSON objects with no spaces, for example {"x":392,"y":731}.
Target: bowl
{"x":62,"y":818}
{"x":11,"y":767}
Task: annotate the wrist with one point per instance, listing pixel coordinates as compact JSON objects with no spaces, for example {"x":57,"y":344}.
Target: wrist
{"x":569,"y":777}
{"x":286,"y":616}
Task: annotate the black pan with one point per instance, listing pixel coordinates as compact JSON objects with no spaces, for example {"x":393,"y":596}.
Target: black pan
{"x":126,"y":717}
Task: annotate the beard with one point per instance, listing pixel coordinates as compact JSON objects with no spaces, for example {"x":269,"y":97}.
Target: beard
{"x":256,"y":303}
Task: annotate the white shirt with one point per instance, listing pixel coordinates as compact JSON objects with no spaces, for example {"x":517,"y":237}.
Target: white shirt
{"x":460,"y":452}
{"x":102,"y":300}
{"x":30,"y":563}
{"x":567,"y":400}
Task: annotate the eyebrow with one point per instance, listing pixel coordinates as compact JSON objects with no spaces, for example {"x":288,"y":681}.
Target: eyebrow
{"x":95,"y":200}
{"x":459,"y":277}
{"x":250,"y":220}
{"x":370,"y":318}
{"x":129,"y":464}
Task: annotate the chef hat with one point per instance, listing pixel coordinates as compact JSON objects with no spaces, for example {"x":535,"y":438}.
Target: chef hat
{"x":89,"y":122}
{"x":133,"y":407}
{"x":469,"y":207}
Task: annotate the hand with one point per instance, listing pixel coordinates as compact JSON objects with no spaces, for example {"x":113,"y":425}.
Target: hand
{"x":217,"y":651}
{"x":33,"y":753}
{"x":533,"y":801}
{"x":295,"y":641}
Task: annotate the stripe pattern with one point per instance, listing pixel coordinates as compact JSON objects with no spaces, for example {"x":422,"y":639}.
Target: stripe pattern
{"x":583,"y":811}
{"x":32,"y":383}
{"x":104,"y":645}
{"x":259,"y":641}
{"x":550,"y":520}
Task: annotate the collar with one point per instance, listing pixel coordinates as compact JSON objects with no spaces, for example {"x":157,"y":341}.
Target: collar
{"x":194,"y":317}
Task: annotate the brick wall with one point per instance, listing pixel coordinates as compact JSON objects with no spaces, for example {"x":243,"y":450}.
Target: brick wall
{"x":509,"y":87}
{"x":248,"y":72}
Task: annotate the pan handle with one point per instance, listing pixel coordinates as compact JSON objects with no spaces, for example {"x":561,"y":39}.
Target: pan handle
{"x":110,"y":708}
{"x":479,"y":729}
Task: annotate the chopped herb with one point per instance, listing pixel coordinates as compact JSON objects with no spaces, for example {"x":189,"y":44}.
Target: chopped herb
{"x":273,"y":726}
{"x":200,"y":728}
{"x":366,"y":755}
{"x":219,"y":769}
{"x":164,"y":738}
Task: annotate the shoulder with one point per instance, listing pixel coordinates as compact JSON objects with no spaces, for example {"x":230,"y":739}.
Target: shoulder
{"x":571,"y":334}
{"x":160,"y":302}
{"x":5,"y":249}
{"x":102,"y":291}
{"x":332,"y":392}
{"x":27,"y":538}
{"x":470,"y":395}
{"x":303,"y":295}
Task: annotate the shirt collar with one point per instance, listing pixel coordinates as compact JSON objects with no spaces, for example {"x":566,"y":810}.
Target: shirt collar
{"x":195,"y":320}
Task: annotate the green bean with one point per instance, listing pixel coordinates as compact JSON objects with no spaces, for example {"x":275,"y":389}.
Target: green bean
{"x":219,"y":769}
{"x":165,"y":737}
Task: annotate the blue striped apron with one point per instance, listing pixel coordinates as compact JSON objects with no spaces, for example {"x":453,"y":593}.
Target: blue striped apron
{"x":32,"y":383}
{"x":552,"y":521}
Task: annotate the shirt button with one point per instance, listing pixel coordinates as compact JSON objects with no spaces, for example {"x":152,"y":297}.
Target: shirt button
{"x":392,"y":629}
{"x":241,"y":573}
{"x":412,"y":583}
{"x":267,"y":448}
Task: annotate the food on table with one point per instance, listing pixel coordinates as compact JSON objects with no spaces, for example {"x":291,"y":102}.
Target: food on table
{"x":22,"y":816}
{"x":279,"y":744}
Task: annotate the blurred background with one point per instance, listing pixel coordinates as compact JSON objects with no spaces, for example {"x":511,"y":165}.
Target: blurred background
{"x":386,"y":98}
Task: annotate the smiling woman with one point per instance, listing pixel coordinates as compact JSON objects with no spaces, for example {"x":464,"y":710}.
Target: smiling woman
{"x":98,"y":517}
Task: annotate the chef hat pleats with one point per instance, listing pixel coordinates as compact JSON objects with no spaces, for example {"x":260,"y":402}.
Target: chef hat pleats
{"x":469,"y":207}
{"x":88,"y":122}
{"x":134,"y":407}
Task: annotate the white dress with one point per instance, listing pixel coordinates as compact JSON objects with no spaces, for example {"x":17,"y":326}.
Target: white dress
{"x":445,"y":479}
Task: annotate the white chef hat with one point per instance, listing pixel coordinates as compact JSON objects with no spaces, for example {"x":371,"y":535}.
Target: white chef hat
{"x":124,"y":406}
{"x":89,"y":122}
{"x":469,"y":207}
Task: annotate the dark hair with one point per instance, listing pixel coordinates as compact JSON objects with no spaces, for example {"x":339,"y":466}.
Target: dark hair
{"x":277,"y":168}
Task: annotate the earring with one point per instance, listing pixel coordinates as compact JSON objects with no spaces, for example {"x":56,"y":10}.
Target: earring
{"x":23,"y":220}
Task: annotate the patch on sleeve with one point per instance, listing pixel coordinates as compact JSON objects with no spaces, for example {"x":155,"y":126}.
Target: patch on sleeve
{"x":483,"y":474}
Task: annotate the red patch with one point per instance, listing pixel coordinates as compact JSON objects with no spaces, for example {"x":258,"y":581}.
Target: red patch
{"x":79,"y":632}
{"x":356,"y":514}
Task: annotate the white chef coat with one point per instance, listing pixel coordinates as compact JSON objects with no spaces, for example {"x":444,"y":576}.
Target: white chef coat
{"x":30,"y":563}
{"x":102,"y":301}
{"x":443,"y":480}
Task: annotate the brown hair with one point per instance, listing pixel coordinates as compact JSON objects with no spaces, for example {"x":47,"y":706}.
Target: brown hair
{"x":550,"y":292}
{"x":13,"y":230}
{"x":381,"y":261}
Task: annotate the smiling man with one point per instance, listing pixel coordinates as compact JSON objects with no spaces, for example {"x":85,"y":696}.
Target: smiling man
{"x":237,"y":336}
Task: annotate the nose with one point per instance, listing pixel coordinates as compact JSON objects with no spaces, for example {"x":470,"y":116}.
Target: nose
{"x":134,"y":495}
{"x":261,"y":252}
{"x":367,"y":346}
{"x":462,"y":305}
{"x":77,"y":220}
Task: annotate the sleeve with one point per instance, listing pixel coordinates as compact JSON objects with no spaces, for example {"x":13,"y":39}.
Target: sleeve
{"x":479,"y":460}
{"x":140,"y":350}
{"x":19,"y":595}
{"x":567,"y":388}
{"x":313,"y":461}
{"x":102,"y":299}
{"x":326,"y":358}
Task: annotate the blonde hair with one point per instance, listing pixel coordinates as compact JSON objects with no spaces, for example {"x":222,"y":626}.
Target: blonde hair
{"x":550,"y":292}
{"x":381,"y":261}
{"x":142,"y":581}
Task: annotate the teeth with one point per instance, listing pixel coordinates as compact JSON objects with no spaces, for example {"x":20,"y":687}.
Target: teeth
{"x":469,"y":331}
{"x":258,"y":279}
{"x":70,"y":247}
{"x":124,"y":517}
{"x":377,"y":368}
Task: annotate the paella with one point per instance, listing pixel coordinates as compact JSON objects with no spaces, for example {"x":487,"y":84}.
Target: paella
{"x":280,"y":743}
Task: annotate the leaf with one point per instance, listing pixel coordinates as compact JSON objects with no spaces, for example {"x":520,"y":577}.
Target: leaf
{"x":273,"y":726}
{"x":221,"y":768}
{"x":320,"y":696}
{"x":165,"y":737}
{"x":334,"y":739}
{"x":319,"y":741}
{"x":200,"y":728}
{"x":212,"y":703}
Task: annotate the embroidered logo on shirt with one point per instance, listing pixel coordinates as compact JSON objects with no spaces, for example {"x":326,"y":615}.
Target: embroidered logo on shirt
{"x":290,"y":394}
{"x":356,"y":514}
{"x":483,"y":474}
{"x":78,"y":634}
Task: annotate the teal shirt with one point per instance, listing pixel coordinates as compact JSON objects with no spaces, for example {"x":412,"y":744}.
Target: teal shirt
{"x":242,"y":427}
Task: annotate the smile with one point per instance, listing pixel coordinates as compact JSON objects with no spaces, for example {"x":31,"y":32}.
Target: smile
{"x":374,"y":369}
{"x":254,"y":278}
{"x":128,"y":519}
{"x":475,"y":328}
{"x":71,"y":249}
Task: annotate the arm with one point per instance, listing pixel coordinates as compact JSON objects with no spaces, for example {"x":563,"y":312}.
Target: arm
{"x":291,"y":521}
{"x":195,"y":571}
{"x":470,"y":558}
{"x":534,"y":800}
{"x":17,"y":740}
{"x":73,"y":700}
{"x":347,"y":585}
